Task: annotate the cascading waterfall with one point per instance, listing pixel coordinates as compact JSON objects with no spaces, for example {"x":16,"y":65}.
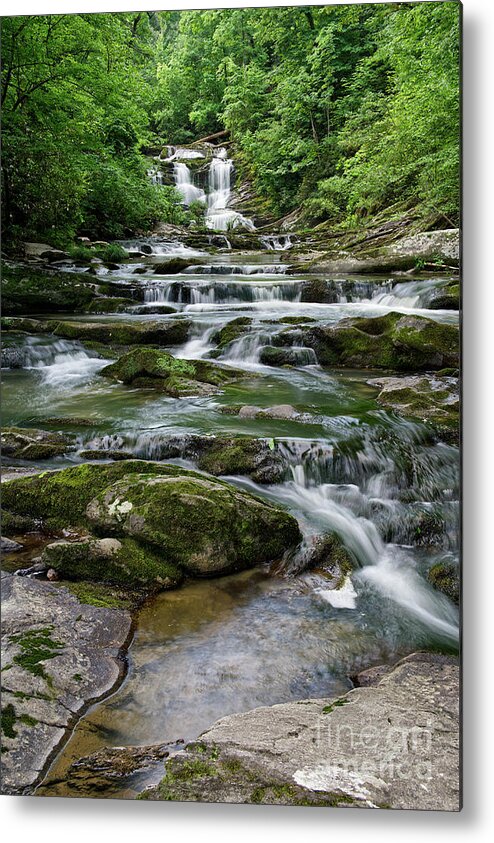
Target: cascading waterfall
{"x":408,"y":294}
{"x":197,"y":292}
{"x":183,"y":182}
{"x":218,"y":216}
{"x":61,"y":364}
{"x":277,"y":242}
{"x":156,"y":176}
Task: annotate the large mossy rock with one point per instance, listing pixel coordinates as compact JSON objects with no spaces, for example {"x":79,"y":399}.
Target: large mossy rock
{"x":148,"y":367}
{"x":232,"y":331}
{"x":202,"y":525}
{"x":220,"y":455}
{"x":393,"y":341}
{"x":194,"y":522}
{"x":172,"y":332}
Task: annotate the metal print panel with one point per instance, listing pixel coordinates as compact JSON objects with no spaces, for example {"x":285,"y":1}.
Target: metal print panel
{"x":230,"y":498}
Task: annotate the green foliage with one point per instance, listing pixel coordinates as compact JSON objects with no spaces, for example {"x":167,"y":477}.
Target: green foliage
{"x":342,"y":110}
{"x":75,"y":96}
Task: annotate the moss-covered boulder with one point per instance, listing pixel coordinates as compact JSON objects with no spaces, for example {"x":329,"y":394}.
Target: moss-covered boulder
{"x":174,"y":265}
{"x":198,"y":524}
{"x":122,"y":562}
{"x":202,"y":525}
{"x":446,"y":298}
{"x":31,"y":444}
{"x":238,"y":455}
{"x":157,"y":369}
{"x":172,"y":332}
{"x":232,"y":331}
{"x":25,"y":325}
{"x":446,"y":578}
{"x":276,"y":356}
{"x":432,"y":398}
{"x":393,"y":341}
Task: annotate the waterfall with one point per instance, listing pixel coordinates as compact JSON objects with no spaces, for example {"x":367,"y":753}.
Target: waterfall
{"x":183,"y":182}
{"x":218,"y":215}
{"x":276,"y":243}
{"x":62,"y":363}
{"x":411,"y":294}
{"x":194,"y":292}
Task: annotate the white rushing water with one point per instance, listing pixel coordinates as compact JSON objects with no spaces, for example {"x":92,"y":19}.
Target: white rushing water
{"x":218,"y":215}
{"x":62,"y":364}
{"x":183,"y":182}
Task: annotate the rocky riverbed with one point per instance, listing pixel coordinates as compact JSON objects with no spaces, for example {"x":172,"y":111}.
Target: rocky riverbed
{"x":254,"y":457}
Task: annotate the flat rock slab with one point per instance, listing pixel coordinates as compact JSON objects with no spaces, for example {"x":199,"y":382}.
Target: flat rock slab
{"x":394,"y":744}
{"x":57,"y":656}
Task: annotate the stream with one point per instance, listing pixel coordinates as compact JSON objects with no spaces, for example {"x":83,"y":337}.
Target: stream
{"x":226,"y":645}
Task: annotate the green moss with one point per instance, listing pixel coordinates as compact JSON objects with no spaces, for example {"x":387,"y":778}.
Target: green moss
{"x":28,"y":290}
{"x":63,"y":496}
{"x":132,"y":564}
{"x":14,"y":525}
{"x":228,"y":530}
{"x":21,"y":695}
{"x":157,"y":369}
{"x":36,"y":647}
{"x":28,"y":720}
{"x":8,"y":719}
{"x":445,"y":577}
{"x":172,"y":332}
{"x":98,"y":594}
{"x":202,"y":774}
{"x":296,"y":320}
{"x":232,"y":331}
{"x":393,"y":341}
{"x":336,"y":704}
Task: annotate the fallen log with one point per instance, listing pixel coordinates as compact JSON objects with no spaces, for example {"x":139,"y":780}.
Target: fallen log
{"x":221,"y":134}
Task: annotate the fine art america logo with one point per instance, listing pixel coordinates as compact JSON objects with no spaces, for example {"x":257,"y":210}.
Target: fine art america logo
{"x":362,"y":762}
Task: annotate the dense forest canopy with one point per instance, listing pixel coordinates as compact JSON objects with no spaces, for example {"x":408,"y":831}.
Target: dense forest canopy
{"x":341,"y":110}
